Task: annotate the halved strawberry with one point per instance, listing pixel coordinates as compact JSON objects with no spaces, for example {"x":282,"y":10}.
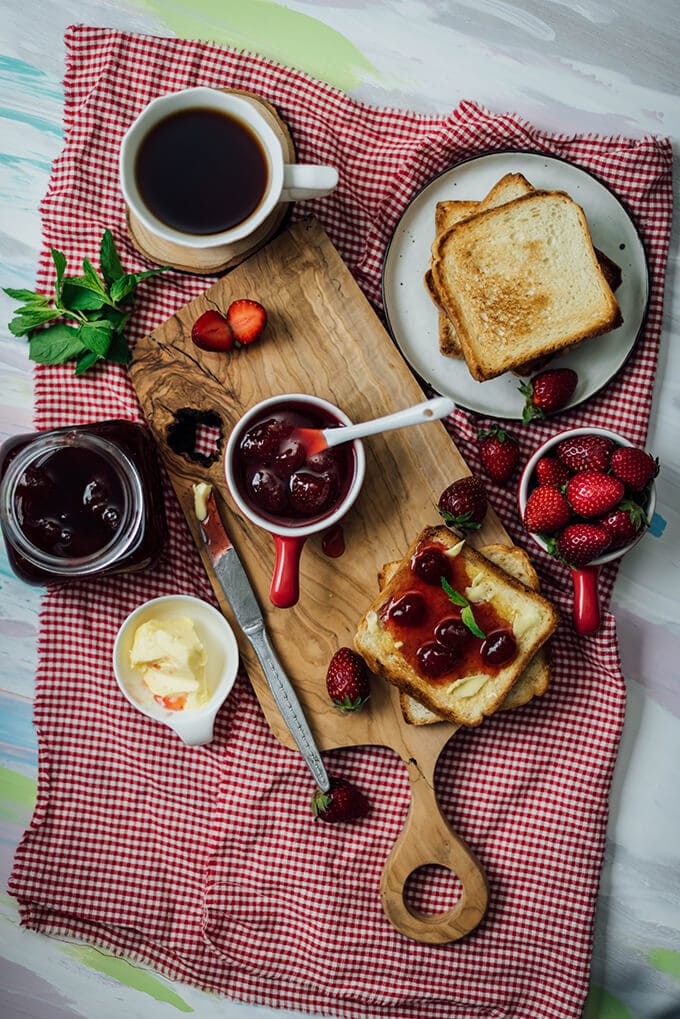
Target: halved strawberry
{"x":212,"y":332}
{"x":247,"y":319}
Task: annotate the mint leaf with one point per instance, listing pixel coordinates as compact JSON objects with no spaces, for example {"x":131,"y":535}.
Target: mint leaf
{"x":456,"y":598}
{"x":59,"y":259}
{"x":96,"y":336}
{"x":467,"y":615}
{"x":119,"y":351}
{"x":30,"y":318}
{"x":81,"y":298}
{"x":124,"y":286}
{"x":85,"y":360}
{"x":468,"y":618}
{"x":54,"y":345}
{"x":109,"y":261}
{"x":30,"y":297}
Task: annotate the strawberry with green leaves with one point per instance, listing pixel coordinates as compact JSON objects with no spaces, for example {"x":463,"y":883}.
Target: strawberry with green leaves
{"x":347,"y":680}
{"x":547,"y":392}
{"x":499,"y":453}
{"x":624,"y":523}
{"x":634,"y":467}
{"x":463,"y":504}
{"x":342,"y":802}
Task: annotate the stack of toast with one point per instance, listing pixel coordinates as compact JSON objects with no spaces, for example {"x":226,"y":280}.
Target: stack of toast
{"x":500,"y":577}
{"x":516,"y":279}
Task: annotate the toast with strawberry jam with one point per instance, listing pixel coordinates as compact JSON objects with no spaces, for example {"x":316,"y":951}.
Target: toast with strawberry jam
{"x":535,"y":679}
{"x":452,"y":629}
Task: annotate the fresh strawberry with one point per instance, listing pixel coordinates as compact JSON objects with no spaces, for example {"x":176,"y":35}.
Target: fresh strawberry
{"x":550,"y":471}
{"x":547,"y":392}
{"x":585,"y":453}
{"x":591,"y":493}
{"x":342,"y":802}
{"x":546,"y":510}
{"x":634,"y":467}
{"x":463,"y":504}
{"x":347,"y":680}
{"x":579,"y":544}
{"x":624,"y":523}
{"x":499,"y":453}
{"x":247,"y":320}
{"x":212,"y":332}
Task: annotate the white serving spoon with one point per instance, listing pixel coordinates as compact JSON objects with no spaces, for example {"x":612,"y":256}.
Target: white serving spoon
{"x":316,"y":440}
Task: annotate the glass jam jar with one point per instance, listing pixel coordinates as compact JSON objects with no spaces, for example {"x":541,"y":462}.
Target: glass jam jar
{"x":82,"y":501}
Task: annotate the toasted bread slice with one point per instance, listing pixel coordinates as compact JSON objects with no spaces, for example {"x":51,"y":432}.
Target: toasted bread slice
{"x":534,"y":680}
{"x":521,"y":281}
{"x":448,"y":213}
{"x":467,"y":697}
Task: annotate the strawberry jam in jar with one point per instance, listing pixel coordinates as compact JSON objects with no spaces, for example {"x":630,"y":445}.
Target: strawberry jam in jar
{"x":82,"y":501}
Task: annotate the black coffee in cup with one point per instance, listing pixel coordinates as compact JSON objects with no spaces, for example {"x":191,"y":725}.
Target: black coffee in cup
{"x":201,"y":171}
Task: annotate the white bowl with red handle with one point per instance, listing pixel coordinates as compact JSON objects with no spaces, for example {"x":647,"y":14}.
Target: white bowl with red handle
{"x":587,"y":607}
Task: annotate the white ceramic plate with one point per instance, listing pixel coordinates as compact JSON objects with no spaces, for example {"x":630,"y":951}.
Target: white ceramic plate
{"x":412,"y":317}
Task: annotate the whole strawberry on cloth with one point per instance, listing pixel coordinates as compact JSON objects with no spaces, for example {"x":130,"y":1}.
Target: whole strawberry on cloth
{"x":342,"y":802}
{"x":499,"y":453}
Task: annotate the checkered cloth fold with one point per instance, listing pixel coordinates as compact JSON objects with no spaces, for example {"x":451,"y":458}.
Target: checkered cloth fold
{"x":204,"y":863}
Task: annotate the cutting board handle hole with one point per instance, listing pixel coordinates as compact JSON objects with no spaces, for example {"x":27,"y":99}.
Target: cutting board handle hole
{"x":197,"y":435}
{"x":432,"y":889}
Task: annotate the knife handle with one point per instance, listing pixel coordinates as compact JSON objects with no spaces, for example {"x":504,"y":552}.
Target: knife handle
{"x":288,"y":704}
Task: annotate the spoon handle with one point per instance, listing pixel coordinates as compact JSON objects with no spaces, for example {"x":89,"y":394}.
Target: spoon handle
{"x":430,"y":410}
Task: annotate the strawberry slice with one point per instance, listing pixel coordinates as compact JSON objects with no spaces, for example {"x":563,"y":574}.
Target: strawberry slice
{"x":212,"y":332}
{"x":246,"y":319}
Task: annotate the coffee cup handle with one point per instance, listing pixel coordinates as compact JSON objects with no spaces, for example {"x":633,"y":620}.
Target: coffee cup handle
{"x":307,"y":180}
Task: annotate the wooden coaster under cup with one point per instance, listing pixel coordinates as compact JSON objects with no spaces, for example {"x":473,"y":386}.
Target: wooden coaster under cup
{"x":212,"y":261}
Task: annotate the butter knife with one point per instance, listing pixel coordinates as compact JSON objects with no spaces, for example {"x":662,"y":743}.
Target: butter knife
{"x":238,"y":591}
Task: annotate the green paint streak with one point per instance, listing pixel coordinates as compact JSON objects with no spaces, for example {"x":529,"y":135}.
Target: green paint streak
{"x":125,"y":973}
{"x":600,"y":1004}
{"x":666,"y":960}
{"x":18,"y":796}
{"x":267,"y":28}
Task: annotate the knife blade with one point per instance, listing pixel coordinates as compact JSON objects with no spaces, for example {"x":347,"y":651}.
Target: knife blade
{"x":238,"y":591}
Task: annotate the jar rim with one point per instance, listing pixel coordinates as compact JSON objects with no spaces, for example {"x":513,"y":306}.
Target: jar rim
{"x":127,"y":535}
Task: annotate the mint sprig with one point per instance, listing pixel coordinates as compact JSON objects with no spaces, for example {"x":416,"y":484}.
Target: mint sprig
{"x":88,"y":313}
{"x":467,"y":616}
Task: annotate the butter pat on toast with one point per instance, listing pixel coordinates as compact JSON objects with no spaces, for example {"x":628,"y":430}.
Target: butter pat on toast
{"x":472,"y":687}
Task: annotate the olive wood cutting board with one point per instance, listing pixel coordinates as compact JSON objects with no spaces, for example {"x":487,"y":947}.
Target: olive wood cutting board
{"x":322,"y":337}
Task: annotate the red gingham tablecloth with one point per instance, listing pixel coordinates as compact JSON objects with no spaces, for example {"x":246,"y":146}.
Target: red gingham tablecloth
{"x":205,"y":863}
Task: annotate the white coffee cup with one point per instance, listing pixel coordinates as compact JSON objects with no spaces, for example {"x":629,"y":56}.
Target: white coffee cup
{"x":285,"y":182}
